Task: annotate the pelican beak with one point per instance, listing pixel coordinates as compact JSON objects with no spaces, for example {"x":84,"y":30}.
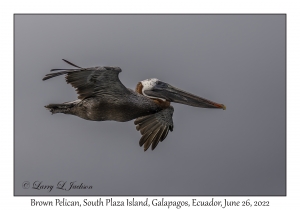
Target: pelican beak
{"x":173,"y":94}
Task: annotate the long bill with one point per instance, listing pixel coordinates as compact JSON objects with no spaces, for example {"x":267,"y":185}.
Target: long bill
{"x":176,"y":95}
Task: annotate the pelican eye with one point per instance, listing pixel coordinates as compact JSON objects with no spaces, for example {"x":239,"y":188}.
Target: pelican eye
{"x":160,"y":84}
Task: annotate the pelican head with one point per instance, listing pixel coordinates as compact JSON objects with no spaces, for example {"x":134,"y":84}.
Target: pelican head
{"x":156,"y":89}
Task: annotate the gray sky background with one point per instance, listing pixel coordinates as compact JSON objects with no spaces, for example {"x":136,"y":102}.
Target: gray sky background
{"x":237,"y":60}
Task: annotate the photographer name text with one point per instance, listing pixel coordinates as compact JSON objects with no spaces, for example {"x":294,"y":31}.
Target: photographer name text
{"x":61,"y":185}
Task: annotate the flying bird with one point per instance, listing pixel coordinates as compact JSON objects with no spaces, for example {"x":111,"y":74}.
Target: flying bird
{"x":102,"y":96}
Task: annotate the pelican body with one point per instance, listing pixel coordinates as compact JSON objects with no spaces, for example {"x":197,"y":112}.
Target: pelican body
{"x":102,"y":96}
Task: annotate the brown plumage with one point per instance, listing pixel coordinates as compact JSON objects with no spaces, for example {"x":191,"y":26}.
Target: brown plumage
{"x":155,"y":127}
{"x":102,"y":96}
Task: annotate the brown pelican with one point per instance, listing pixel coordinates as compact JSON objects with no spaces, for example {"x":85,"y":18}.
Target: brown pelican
{"x":102,"y":96}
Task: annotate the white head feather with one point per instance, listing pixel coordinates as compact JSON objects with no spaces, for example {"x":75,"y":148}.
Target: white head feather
{"x":148,"y":84}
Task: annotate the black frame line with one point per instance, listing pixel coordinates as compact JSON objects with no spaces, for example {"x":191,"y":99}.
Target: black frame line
{"x":33,"y":195}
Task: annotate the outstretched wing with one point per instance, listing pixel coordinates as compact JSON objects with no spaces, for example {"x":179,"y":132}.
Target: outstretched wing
{"x":94,"y":81}
{"x":155,"y":127}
